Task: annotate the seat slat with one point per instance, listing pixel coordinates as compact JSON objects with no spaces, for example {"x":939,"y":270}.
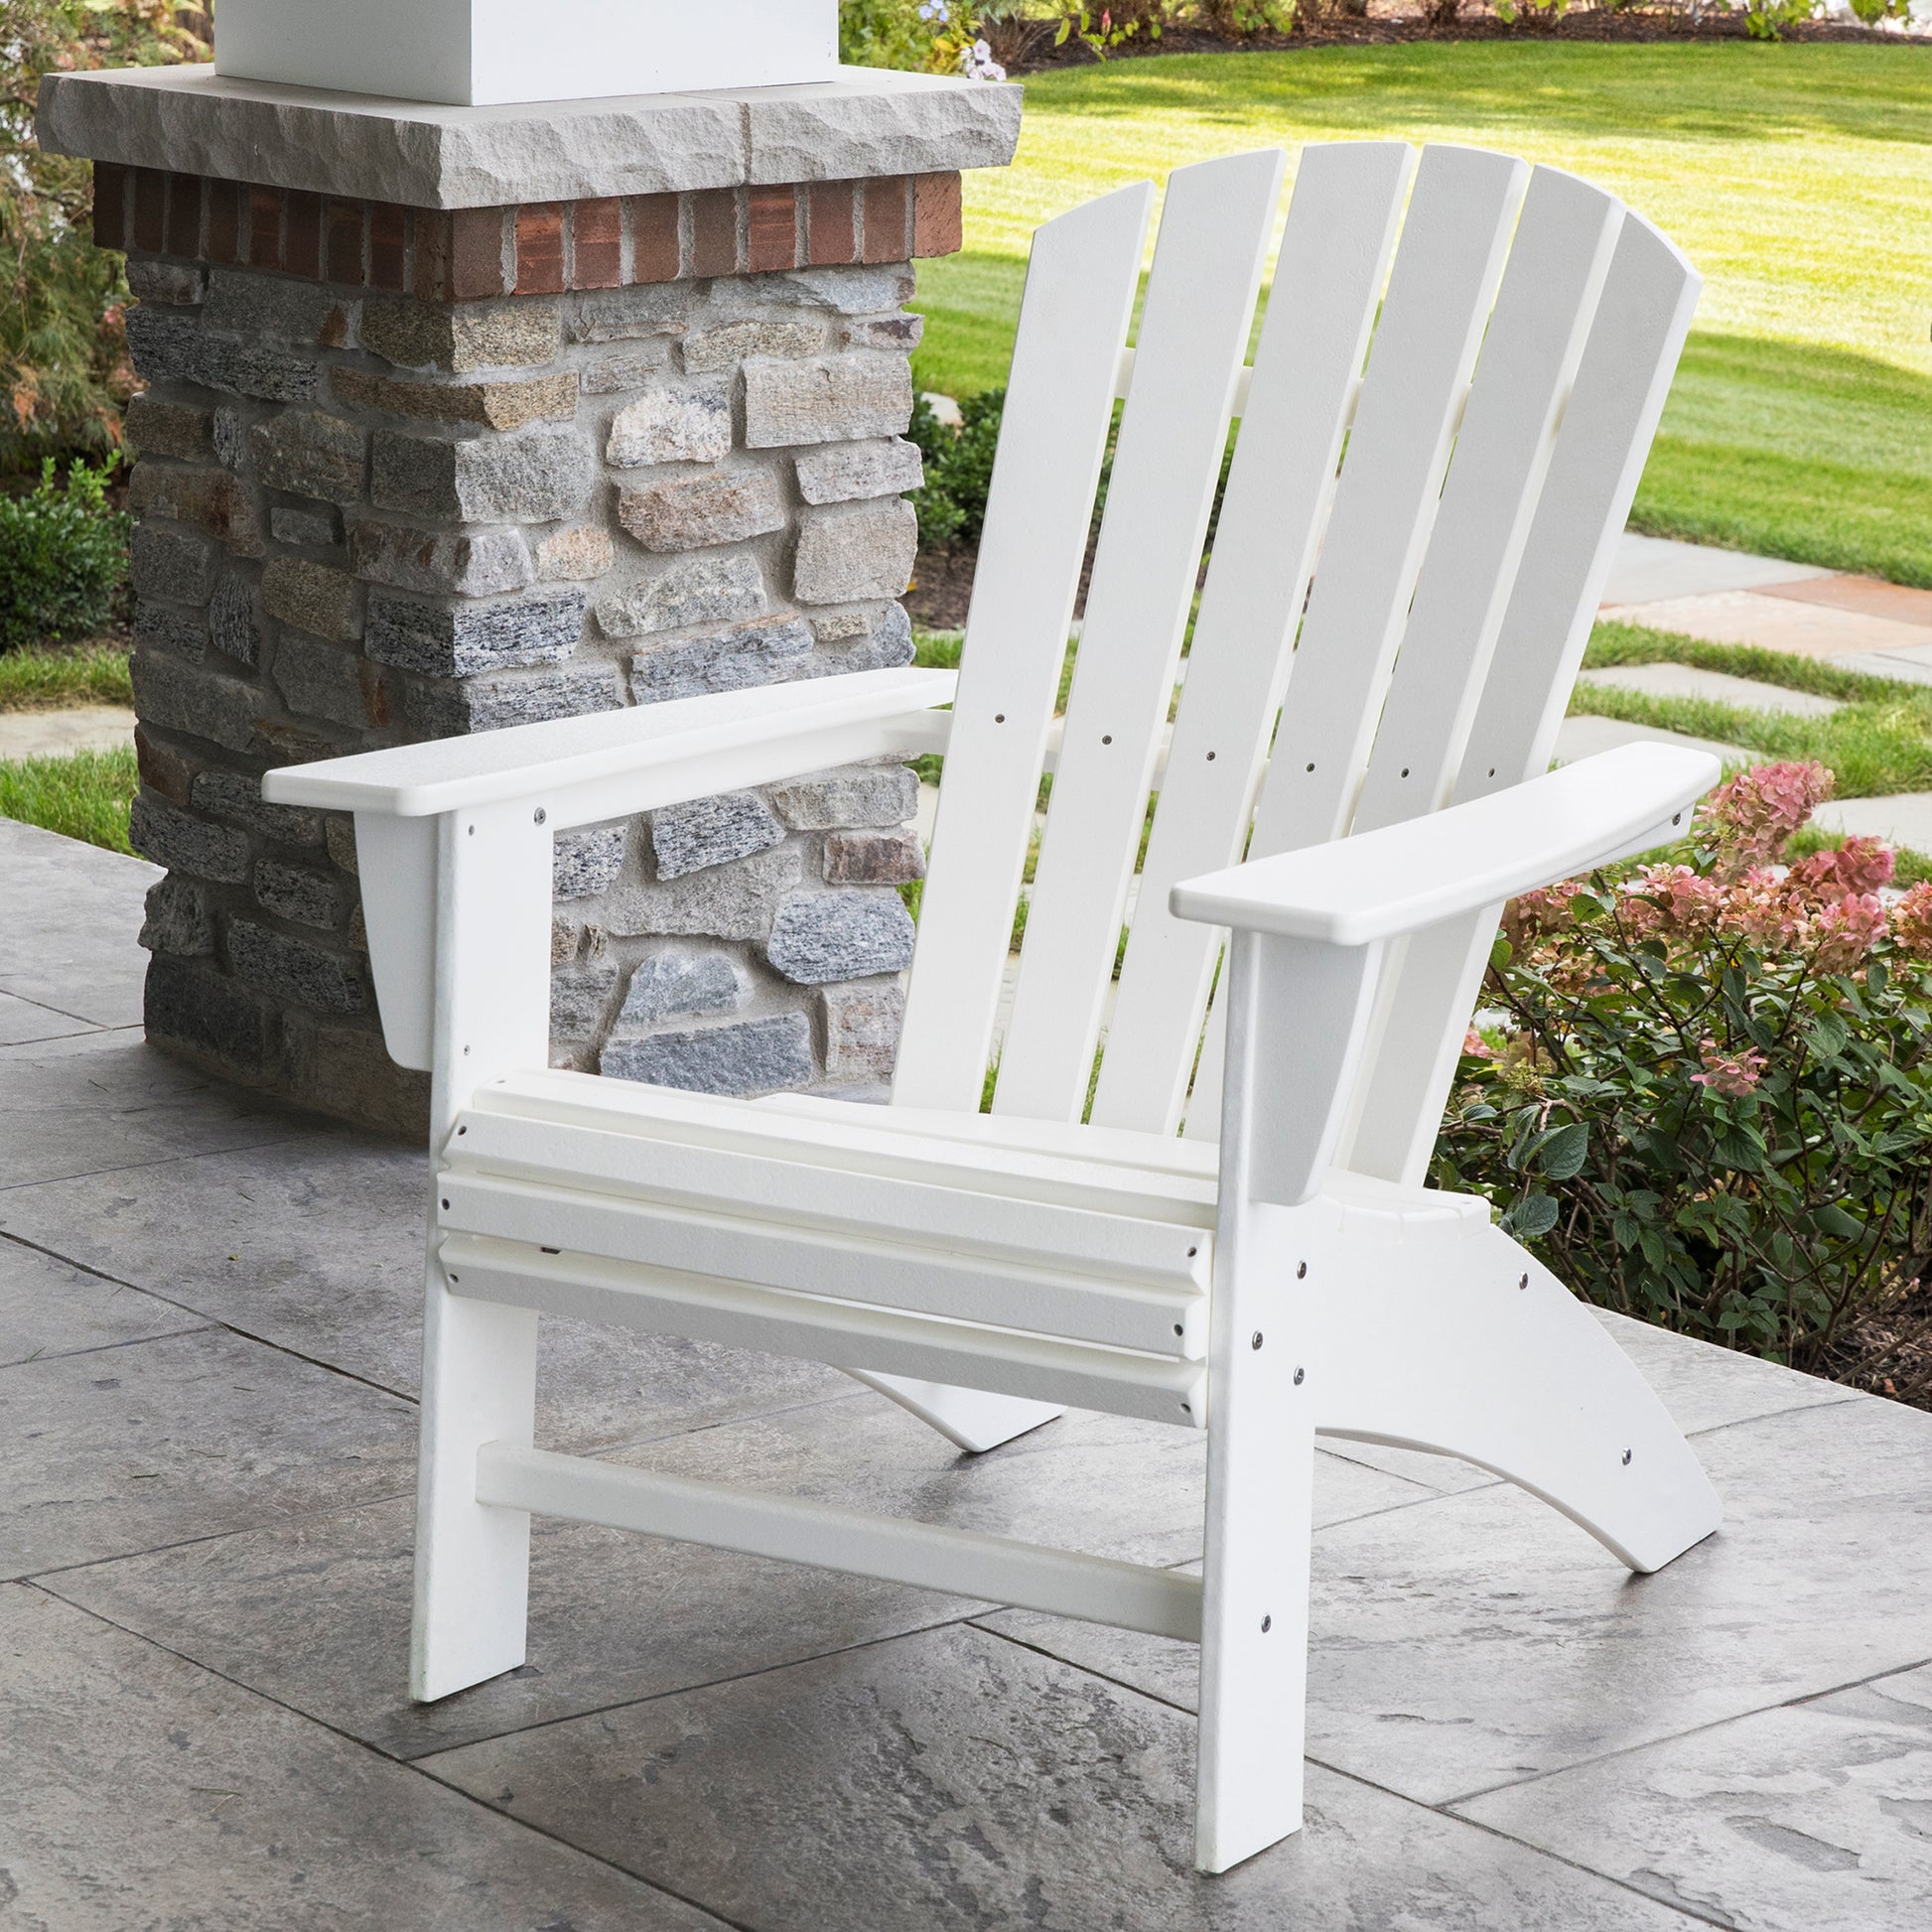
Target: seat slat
{"x":843,"y":1334}
{"x":1334,"y":263}
{"x":1193,"y":333}
{"x":1636,"y":338}
{"x":1102,"y":1173}
{"x":963,"y":1216}
{"x":1081,"y":283}
{"x":845,"y":1263}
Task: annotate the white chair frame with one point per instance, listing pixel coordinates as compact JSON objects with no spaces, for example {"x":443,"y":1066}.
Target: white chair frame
{"x":1341,"y":843}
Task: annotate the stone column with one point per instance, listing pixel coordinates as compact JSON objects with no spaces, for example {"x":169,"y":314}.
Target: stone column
{"x":458,"y":418}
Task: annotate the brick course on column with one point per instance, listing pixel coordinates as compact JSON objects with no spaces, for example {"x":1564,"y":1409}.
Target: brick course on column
{"x":406,"y":472}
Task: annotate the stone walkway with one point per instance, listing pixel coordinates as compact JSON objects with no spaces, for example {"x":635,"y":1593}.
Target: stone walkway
{"x":208,"y":1305}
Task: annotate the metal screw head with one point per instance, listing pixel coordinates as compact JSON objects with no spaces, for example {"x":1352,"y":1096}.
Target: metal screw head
{"x":1256,"y":1343}
{"x":1524,"y":1283}
{"x":1302,"y":1273}
{"x":1626,"y":1458}
{"x":1300,"y":1374}
{"x":1267,"y":1624}
{"x":541,"y":815}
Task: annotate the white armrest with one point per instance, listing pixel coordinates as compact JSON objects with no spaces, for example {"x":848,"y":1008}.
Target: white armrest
{"x":616,"y":762}
{"x":1356,"y":891}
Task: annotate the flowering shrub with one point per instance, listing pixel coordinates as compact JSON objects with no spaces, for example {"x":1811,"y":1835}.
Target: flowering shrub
{"x":1702,"y":1090}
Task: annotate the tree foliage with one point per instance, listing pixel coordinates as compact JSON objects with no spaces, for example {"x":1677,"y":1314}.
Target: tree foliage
{"x":63,"y":372}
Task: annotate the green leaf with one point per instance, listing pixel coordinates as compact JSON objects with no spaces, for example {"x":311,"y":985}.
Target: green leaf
{"x":1533,"y":1215}
{"x":1563,"y":1150}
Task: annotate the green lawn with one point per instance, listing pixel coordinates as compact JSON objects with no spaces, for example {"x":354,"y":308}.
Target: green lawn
{"x":62,"y":676}
{"x":81,"y":795}
{"x":1797,"y":177}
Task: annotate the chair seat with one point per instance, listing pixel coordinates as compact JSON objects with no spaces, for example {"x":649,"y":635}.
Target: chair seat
{"x":1093,"y":1237}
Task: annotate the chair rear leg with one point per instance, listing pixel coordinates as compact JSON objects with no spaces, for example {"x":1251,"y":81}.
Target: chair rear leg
{"x":976,"y":1418}
{"x":473,"y":1559}
{"x":1471,"y":1347}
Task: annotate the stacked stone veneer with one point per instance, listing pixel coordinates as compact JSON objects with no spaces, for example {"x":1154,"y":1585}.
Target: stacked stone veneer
{"x":407,"y":473}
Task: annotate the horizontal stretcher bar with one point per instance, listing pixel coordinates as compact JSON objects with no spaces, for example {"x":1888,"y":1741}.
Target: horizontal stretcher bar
{"x":851,"y":1264}
{"x":842,"y":1335}
{"x":962,"y":1563}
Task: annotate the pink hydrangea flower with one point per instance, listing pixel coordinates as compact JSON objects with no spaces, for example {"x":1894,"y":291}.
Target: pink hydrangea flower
{"x":1862,"y":864}
{"x":1683,"y":900}
{"x":1730,"y":1075}
{"x":1911,"y":921}
{"x":1758,"y":810}
{"x":1843,"y":933}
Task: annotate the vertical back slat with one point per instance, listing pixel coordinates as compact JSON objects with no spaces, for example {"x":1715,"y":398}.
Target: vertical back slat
{"x":1530,"y":357}
{"x":1446,"y":268}
{"x":1333,"y":264}
{"x":1630,"y":361}
{"x":1194,"y":328}
{"x":1081,"y":282}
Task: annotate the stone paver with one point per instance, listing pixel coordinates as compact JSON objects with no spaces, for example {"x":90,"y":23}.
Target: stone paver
{"x":1649,"y":569}
{"x":52,"y":734}
{"x":1584,"y":736}
{"x":1773,"y":624}
{"x":1687,"y":681}
{"x":1812,"y":1818}
{"x":140,"y":1790}
{"x":1904,"y":818}
{"x":207,"y":1490}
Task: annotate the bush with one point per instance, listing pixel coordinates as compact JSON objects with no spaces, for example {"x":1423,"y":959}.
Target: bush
{"x":886,"y":33}
{"x":958,"y":469}
{"x":1704,"y":1091}
{"x":63,"y":557}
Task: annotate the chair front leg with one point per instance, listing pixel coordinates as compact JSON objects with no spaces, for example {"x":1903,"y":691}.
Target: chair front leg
{"x":491,"y":977}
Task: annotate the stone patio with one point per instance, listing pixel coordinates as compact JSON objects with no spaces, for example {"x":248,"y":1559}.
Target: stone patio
{"x":207,"y":1325}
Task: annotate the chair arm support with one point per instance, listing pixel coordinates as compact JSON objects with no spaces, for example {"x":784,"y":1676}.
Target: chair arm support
{"x":614,"y":762}
{"x":1384,"y":884}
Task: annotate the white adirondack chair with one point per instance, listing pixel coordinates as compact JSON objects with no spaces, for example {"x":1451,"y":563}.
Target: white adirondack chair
{"x":1277,"y":1273}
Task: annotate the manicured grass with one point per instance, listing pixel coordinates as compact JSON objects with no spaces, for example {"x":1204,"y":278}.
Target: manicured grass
{"x":83,"y":795}
{"x":60,"y":678}
{"x":1795,"y":177}
{"x":1880,"y":743}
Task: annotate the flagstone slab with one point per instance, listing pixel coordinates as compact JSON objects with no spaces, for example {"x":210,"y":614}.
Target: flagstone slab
{"x":1584,"y":736}
{"x":1904,"y":818}
{"x":185,"y":1435}
{"x":316,"y":1244}
{"x":1716,"y":687}
{"x":59,"y":734}
{"x":316,"y":1612}
{"x":72,"y":916}
{"x":99,"y":1102}
{"x":1481,"y":1639}
{"x":1812,"y":1818}
{"x":50,"y":1308}
{"x":1772,"y":622}
{"x":953,"y":1780}
{"x":1648,"y":569}
{"x":24,"y":1021}
{"x":138,"y":1790}
{"x":1871,"y":597}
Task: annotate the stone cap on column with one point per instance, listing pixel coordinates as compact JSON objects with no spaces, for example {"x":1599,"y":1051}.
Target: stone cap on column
{"x":870,"y":122}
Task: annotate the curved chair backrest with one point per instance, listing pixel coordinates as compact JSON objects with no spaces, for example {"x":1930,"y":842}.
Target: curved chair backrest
{"x":1460,"y":370}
